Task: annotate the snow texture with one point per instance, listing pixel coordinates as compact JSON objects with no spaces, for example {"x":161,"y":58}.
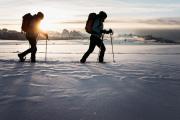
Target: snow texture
{"x":143,"y":84}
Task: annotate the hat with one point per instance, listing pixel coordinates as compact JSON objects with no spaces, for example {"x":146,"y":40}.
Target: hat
{"x":40,"y":15}
{"x":102,"y":14}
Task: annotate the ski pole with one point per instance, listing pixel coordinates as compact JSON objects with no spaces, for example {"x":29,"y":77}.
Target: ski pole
{"x":112,"y":46}
{"x":46,"y":51}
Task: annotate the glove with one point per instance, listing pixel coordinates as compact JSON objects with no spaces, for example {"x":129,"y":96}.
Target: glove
{"x":107,"y":32}
{"x":46,"y":36}
{"x":104,"y":31}
{"x":110,"y":31}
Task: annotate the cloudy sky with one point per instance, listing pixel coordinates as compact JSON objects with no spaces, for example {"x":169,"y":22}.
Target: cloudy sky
{"x":72,"y":14}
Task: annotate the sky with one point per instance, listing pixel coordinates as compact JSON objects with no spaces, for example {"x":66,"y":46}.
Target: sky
{"x":72,"y":14}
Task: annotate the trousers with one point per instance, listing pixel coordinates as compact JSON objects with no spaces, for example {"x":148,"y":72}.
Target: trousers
{"x":94,"y":40}
{"x":33,"y":48}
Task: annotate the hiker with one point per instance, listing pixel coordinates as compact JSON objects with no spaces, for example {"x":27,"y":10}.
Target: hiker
{"x":96,"y":33}
{"x":30,"y":26}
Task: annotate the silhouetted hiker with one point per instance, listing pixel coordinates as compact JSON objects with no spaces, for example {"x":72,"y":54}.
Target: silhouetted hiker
{"x":94,"y":26}
{"x":30,"y":26}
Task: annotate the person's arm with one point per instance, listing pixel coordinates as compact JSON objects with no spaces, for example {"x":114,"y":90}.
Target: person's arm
{"x":40,"y":31}
{"x":104,"y":31}
{"x":107,"y":31}
{"x":43,"y":33}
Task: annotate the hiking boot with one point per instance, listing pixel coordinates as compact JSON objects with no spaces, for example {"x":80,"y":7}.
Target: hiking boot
{"x":101,"y":60}
{"x":21,"y":58}
{"x":82,"y":61}
{"x":33,"y":60}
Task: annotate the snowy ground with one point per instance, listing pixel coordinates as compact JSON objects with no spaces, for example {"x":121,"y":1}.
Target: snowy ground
{"x":143,"y":84}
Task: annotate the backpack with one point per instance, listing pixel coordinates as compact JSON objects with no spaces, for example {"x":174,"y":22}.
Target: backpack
{"x":90,"y":22}
{"x":27,"y":18}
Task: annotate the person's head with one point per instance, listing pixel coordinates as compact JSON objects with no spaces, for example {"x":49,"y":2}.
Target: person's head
{"x":102,"y":15}
{"x":40,"y":15}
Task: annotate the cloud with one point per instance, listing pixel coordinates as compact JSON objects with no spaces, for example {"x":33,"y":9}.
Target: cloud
{"x":162,"y":21}
{"x":152,"y":12}
{"x":152,"y":21}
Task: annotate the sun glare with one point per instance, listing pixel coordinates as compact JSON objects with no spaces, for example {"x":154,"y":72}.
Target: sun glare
{"x":46,"y":25}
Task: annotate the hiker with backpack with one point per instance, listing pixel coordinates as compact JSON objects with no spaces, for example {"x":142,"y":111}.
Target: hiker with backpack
{"x":30,"y":26}
{"x":94,"y":26}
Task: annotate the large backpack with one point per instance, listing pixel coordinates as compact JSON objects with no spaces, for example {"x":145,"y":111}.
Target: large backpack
{"x":27,"y":18}
{"x":90,"y":22}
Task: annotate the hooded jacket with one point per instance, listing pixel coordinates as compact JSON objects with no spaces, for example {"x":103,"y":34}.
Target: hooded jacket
{"x":97,"y":27}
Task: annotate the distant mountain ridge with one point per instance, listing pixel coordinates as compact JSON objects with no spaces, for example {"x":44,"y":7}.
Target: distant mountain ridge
{"x":6,"y":34}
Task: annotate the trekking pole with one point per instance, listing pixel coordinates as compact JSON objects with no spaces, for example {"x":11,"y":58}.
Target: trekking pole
{"x":112,"y":46}
{"x":46,"y":51}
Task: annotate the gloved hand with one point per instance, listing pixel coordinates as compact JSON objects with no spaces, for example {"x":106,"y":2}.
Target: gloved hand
{"x":104,"y":31}
{"x":22,"y":32}
{"x":107,"y":31}
{"x":110,"y":31}
{"x":46,"y":36}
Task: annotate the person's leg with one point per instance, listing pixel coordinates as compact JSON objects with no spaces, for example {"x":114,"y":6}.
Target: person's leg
{"x":23,"y":54}
{"x":33,"y":54}
{"x":90,"y":50}
{"x":101,"y":45}
{"x":33,"y":50}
